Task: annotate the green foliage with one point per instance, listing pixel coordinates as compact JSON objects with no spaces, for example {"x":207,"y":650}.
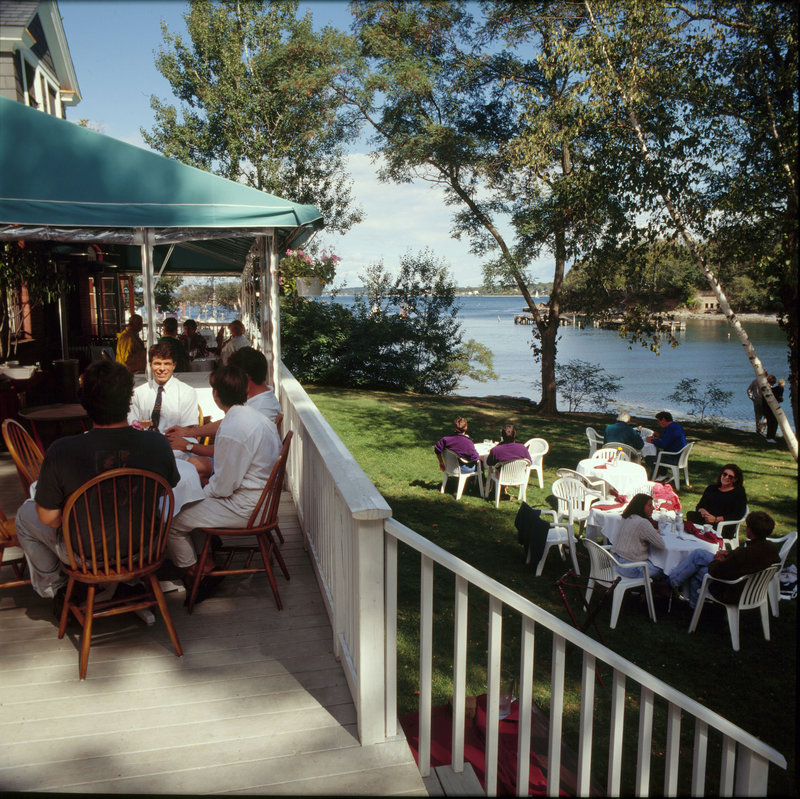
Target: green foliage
{"x":580,"y":381}
{"x":224,"y":293}
{"x":403,"y":335}
{"x":27,"y":265}
{"x":257,"y":107}
{"x":165,"y":292}
{"x":711,"y":397}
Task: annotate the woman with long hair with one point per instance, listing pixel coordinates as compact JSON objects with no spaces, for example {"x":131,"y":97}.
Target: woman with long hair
{"x":636,"y":536}
{"x":723,"y":500}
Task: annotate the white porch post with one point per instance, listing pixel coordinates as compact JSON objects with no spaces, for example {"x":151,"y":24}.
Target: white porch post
{"x":271,"y":311}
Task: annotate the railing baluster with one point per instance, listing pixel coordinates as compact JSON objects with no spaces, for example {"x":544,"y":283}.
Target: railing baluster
{"x":525,"y":706}
{"x":390,"y":655}
{"x":459,"y":673}
{"x":727,"y":772}
{"x":584,"y":776}
{"x":699,"y":759}
{"x":493,"y":695}
{"x":615,"y":738}
{"x":673,"y":751}
{"x":556,"y":716}
{"x":425,"y":664}
{"x":645,"y":744}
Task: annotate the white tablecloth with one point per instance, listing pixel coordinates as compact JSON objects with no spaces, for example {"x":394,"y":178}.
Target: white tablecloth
{"x":624,"y":476}
{"x":188,"y":488}
{"x":676,"y":548}
{"x":648,"y":450}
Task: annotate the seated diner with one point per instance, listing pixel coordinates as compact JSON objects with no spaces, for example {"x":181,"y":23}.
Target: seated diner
{"x":459,"y":443}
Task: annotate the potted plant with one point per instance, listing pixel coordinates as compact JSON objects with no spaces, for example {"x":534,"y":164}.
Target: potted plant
{"x":304,"y":275}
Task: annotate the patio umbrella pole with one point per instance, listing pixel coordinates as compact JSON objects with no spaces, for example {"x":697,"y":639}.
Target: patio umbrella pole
{"x":147,"y":288}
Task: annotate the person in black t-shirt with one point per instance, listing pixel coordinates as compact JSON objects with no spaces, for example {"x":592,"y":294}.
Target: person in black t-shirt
{"x":105,"y":393}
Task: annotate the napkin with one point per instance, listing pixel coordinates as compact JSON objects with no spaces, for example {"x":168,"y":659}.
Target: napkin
{"x":690,"y":528}
{"x":601,"y":466}
{"x":712,"y":538}
{"x":609,"y":507}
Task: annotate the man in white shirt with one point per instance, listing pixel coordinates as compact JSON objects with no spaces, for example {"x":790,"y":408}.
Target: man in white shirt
{"x":260,"y":397}
{"x":237,"y":340}
{"x":246,"y":447}
{"x":163,"y":401}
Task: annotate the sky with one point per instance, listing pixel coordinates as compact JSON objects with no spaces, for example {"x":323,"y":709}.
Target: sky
{"x":113,"y":45}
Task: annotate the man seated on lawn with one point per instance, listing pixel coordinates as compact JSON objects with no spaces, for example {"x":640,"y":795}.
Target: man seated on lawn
{"x":754,"y":556}
{"x":246,"y":447}
{"x":623,"y":433}
{"x":105,"y":392}
{"x":671,"y":439}
{"x":163,"y":401}
{"x":508,"y":449}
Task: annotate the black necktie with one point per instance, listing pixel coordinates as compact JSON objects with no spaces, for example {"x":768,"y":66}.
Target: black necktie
{"x":156,"y":415}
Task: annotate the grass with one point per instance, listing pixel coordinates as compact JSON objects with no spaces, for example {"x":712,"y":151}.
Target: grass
{"x":392,"y":435}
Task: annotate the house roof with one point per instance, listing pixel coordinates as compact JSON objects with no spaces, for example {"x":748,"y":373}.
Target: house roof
{"x":63,"y":182}
{"x":37,"y":24}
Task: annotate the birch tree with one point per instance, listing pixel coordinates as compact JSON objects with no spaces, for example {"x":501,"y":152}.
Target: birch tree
{"x":674,"y":146}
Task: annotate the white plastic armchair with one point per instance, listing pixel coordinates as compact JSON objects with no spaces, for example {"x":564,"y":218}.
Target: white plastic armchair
{"x":537,"y":449}
{"x":630,"y":454}
{"x":733,"y":541}
{"x":604,"y":566}
{"x":510,"y":473}
{"x":594,"y":485}
{"x":574,"y":501}
{"x":786,"y":543}
{"x":559,"y":535}
{"x":452,"y":468}
{"x":595,"y":440}
{"x":675,"y":468}
{"x":755,"y":595}
{"x":608,"y":454}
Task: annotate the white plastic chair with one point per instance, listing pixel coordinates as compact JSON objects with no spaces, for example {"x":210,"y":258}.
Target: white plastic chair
{"x":510,"y":473}
{"x":604,"y":566}
{"x":537,"y":449}
{"x":558,"y":536}
{"x":609,"y":454}
{"x":574,"y":501}
{"x":626,"y":450}
{"x":786,"y":543}
{"x":675,"y":468}
{"x":755,"y":594}
{"x":594,"y":485}
{"x":595,"y":440}
{"x":452,"y":468}
{"x":732,"y":542}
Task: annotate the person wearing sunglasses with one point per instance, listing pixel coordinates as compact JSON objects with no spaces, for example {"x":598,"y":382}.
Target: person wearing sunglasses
{"x":724,"y":500}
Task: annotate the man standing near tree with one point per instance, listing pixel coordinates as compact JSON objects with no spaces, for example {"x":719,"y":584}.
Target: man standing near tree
{"x":754,"y":392}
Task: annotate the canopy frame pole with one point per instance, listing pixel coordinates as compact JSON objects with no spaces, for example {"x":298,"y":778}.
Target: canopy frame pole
{"x":148,"y":297}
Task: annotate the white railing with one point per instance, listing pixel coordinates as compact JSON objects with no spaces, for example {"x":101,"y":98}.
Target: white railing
{"x":353,"y":542}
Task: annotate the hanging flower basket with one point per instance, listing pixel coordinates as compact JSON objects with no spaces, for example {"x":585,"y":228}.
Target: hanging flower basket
{"x":309,"y":286}
{"x":304,"y":275}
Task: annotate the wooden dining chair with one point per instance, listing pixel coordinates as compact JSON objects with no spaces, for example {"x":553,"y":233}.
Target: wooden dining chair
{"x":115,"y":530}
{"x":8,"y":540}
{"x":262,"y":523}
{"x":25,"y":452}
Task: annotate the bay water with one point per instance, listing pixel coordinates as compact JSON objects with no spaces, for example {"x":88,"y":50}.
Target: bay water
{"x":708,"y":350}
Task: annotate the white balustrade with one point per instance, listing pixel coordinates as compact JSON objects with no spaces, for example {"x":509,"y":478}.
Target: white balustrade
{"x":353,"y":542}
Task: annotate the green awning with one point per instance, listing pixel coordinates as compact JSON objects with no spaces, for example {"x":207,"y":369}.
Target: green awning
{"x":63,"y":182}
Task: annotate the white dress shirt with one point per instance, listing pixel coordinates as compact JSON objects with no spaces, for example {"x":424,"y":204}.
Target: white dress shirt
{"x":178,"y":404}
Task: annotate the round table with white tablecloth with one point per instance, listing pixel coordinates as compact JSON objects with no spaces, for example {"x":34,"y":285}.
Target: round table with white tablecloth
{"x":676,"y":546}
{"x":625,"y":477}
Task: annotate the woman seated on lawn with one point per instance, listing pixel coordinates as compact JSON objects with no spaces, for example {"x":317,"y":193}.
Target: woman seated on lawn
{"x":636,"y":536}
{"x":723,"y":501}
{"x":460,"y":443}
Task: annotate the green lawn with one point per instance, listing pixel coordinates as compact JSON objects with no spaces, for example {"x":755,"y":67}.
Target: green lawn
{"x":392,"y":435}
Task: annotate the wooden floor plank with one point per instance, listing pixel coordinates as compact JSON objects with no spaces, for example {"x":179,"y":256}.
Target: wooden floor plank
{"x":257,"y":704}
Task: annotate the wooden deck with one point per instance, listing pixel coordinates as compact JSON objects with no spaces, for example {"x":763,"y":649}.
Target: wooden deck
{"x":257,"y":704}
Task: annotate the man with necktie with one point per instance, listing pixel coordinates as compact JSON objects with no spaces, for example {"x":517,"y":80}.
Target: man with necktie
{"x":163,"y":401}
